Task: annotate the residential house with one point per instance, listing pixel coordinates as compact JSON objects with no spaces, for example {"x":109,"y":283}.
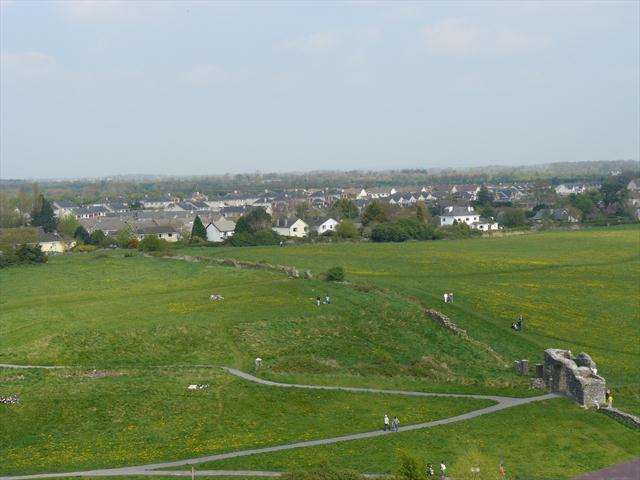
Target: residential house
{"x":325,"y":225}
{"x":292,"y":227}
{"x":557,"y":214}
{"x":454,"y":214}
{"x":52,"y":242}
{"x":167,"y":233}
{"x":160,"y":202}
{"x":220,"y":229}
{"x":567,"y":189}
{"x":485,"y":224}
{"x":61,"y":208}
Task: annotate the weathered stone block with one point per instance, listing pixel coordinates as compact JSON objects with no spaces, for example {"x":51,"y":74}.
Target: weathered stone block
{"x":563,"y":375}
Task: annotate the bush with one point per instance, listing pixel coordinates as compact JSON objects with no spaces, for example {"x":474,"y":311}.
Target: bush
{"x":23,"y":255}
{"x":133,"y":243}
{"x":347,"y":229}
{"x":410,"y":469}
{"x":151,"y":243}
{"x":389,"y":232}
{"x":335,"y":274}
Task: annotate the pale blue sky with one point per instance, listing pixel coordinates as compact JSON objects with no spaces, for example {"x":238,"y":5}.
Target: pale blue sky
{"x":93,"y":88}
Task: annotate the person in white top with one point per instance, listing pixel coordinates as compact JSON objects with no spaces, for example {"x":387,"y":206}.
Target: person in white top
{"x":258,"y":363}
{"x":386,"y":422}
{"x":443,"y":470}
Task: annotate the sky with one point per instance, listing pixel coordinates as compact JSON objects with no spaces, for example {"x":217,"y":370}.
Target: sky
{"x":98,"y":88}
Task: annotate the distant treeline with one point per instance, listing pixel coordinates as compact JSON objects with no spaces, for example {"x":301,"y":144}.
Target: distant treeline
{"x":218,"y":185}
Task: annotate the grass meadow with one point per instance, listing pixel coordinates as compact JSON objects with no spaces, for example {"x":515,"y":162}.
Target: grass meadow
{"x":145,"y":324}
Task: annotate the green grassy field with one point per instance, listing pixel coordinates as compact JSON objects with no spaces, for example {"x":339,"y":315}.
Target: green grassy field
{"x":73,"y":419}
{"x":576,"y":289}
{"x":146,"y":320}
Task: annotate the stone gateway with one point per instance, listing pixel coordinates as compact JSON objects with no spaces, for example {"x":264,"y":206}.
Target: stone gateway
{"x":575,"y":377}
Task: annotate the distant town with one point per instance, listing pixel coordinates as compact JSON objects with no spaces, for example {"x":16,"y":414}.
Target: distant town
{"x":379,"y":213}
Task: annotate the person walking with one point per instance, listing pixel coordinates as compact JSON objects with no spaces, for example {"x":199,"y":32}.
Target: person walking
{"x":327,"y":300}
{"x":396,"y":424}
{"x":258,"y":363}
{"x":386,"y":423}
{"x":443,"y":470}
{"x":318,"y":300}
{"x":430,"y":472}
{"x":503,"y":471}
{"x":446,"y":297}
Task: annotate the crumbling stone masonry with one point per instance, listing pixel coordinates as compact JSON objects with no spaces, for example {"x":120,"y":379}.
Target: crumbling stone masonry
{"x":575,"y":377}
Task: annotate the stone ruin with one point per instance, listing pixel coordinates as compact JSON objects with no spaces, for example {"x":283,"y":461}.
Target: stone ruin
{"x":575,"y":377}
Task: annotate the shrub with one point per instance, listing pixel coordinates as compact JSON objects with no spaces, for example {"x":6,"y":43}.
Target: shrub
{"x":23,"y":255}
{"x":335,"y":274}
{"x":347,"y":229}
{"x":410,"y":469}
{"x":151,"y":243}
{"x":133,"y":243}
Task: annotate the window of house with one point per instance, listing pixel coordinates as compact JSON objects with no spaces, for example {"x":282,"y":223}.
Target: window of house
{"x":295,"y":229}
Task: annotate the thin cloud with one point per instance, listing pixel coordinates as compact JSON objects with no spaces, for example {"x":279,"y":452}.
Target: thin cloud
{"x":92,"y":10}
{"x":315,"y":41}
{"x":26,"y":65}
{"x":204,"y":74}
{"x":459,"y":36}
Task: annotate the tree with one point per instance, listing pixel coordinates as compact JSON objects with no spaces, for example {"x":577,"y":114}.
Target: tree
{"x":82,"y":236}
{"x":9,"y":217}
{"x":256,"y":219}
{"x":42,"y":214}
{"x":10,"y":237}
{"x":151,"y":243}
{"x":347,"y":229}
{"x":198,"y":230}
{"x":335,"y":274}
{"x":513,"y":217}
{"x":420,"y":213}
{"x":68,"y":225}
{"x":374,"y":213}
{"x":344,"y":208}
{"x":123,"y":236}
{"x":484,"y":197}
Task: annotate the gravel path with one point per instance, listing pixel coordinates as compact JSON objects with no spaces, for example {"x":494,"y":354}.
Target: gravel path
{"x":153,"y":469}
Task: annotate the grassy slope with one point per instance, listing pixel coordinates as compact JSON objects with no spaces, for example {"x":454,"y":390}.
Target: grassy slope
{"x":548,"y":440}
{"x":142,"y":311}
{"x":576,"y":289}
{"x":68,"y":420}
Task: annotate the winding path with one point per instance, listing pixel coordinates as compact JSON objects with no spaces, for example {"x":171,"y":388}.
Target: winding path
{"x":153,"y":469}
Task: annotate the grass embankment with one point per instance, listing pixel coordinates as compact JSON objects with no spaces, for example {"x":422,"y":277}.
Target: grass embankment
{"x":75,"y":419}
{"x":554,"y":439}
{"x":576,"y":289}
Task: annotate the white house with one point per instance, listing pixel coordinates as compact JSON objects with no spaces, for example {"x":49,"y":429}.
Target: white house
{"x":221,"y":229}
{"x":567,"y":189}
{"x":157,"y":202}
{"x":60,"y":208}
{"x":327,"y":225}
{"x":292,"y":227}
{"x":164,"y":232}
{"x":52,"y":242}
{"x":459,"y":215}
{"x":486,"y":225}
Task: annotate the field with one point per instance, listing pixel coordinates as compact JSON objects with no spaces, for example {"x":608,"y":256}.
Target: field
{"x":148,"y":329}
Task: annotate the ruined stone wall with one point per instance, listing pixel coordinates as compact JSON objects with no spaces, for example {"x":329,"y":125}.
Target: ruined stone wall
{"x":573,"y":376}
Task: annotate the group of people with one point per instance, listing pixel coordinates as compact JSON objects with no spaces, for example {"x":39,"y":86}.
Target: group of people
{"x":327,"y":300}
{"x":517,"y":325}
{"x":448,"y":297}
{"x":430,"y":471}
{"x":394,"y":424}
